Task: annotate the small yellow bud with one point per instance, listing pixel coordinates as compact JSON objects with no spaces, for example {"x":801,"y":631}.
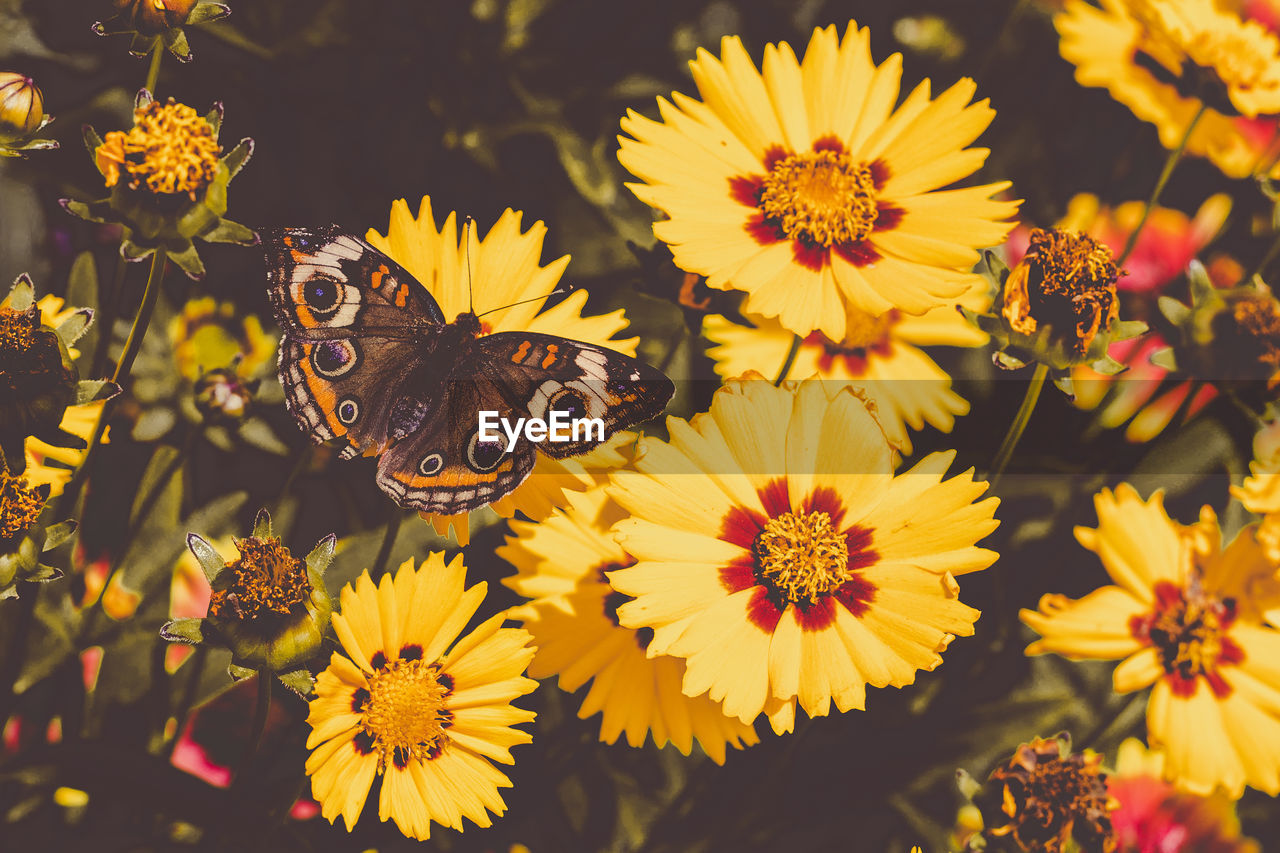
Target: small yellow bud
{"x":21,"y":106}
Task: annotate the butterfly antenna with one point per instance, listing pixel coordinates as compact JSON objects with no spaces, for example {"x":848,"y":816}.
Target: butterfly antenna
{"x":471,"y":295}
{"x":555,"y":292}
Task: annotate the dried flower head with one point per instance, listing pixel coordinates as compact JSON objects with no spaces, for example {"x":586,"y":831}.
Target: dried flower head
{"x":21,"y":537}
{"x":1050,"y":797}
{"x":170,"y":149}
{"x":269,"y":607}
{"x":168,"y":184}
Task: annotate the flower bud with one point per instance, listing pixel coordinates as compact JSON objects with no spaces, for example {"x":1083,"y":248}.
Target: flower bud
{"x":221,"y":396}
{"x":21,"y":107}
{"x":152,"y":17}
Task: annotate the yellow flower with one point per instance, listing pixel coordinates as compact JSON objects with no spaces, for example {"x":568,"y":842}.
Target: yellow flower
{"x":881,"y":355}
{"x":402,"y":705}
{"x":782,"y":559}
{"x":804,"y":186}
{"x":562,"y":563}
{"x":504,"y":269}
{"x":1184,"y":617}
{"x":171,"y":149}
{"x":208,"y":334}
{"x":1260,"y":491}
{"x":1165,"y":59}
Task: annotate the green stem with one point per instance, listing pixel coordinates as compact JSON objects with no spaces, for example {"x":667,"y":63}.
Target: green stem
{"x":388,"y":539}
{"x":1019,"y":425}
{"x":791,"y":359}
{"x":1174,"y":156}
{"x":153,"y":70}
{"x":260,"y":715}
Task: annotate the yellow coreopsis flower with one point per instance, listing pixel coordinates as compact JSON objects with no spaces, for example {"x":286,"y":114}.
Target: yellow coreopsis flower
{"x":802,"y":184}
{"x":408,"y":703}
{"x":1166,"y":60}
{"x":778,"y":554}
{"x":562,"y":563}
{"x":1184,"y":615}
{"x":882,"y":355}
{"x":504,"y":270}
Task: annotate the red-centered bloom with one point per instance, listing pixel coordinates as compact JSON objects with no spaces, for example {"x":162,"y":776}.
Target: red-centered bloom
{"x":801,"y":184}
{"x":1186,"y":616}
{"x":779,"y":555}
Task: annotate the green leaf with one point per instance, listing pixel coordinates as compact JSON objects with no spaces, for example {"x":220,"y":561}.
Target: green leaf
{"x":92,"y":140}
{"x":23,"y":293}
{"x":141,"y":45}
{"x":300,"y":681}
{"x":211,"y":562}
{"x":237,"y":157}
{"x":214,"y":118}
{"x":175,"y":40}
{"x":82,"y":289}
{"x":188,"y":260}
{"x":56,"y":534}
{"x":322,"y":555}
{"x":227,"y":231}
{"x":205,"y":12}
{"x":189,"y":631}
{"x":1165,"y":358}
{"x":72,"y":328}
{"x":262,"y":524}
{"x":160,"y":474}
{"x":240,"y":673}
{"x":93,"y":390}
{"x":1173,"y":310}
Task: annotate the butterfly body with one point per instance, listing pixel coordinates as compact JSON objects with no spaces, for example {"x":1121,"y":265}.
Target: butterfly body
{"x":368,"y":361}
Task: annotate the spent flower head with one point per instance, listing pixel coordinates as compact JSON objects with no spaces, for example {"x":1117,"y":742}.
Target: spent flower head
{"x":1058,"y":306}
{"x":268,"y":607}
{"x":22,"y":115}
{"x":37,"y":374}
{"x":162,"y":21}
{"x":168,"y":180}
{"x":22,"y":538}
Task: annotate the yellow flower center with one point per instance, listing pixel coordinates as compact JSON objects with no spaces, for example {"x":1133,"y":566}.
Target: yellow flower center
{"x":16,"y":328}
{"x":820,"y":197}
{"x":803,"y":556}
{"x":404,"y":714}
{"x":267,"y":579}
{"x":170,"y":149}
{"x":20,"y":506}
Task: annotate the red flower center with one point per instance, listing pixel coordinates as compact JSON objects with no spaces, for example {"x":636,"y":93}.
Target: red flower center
{"x":803,"y":557}
{"x":1189,"y":631}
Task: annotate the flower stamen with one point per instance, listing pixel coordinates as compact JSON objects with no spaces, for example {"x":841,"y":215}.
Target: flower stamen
{"x":1188,"y":630}
{"x":404,"y":716}
{"x":268,"y":579}
{"x":20,"y":506}
{"x":171,"y":149}
{"x":802,"y":556}
{"x":820,"y":197}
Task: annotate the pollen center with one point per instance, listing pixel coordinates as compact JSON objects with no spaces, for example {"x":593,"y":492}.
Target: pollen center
{"x":802,"y":555}
{"x":20,"y":506}
{"x":267,"y":579}
{"x":820,"y":197}
{"x":405,"y":714}
{"x":170,"y":149}
{"x":1188,"y":631}
{"x":16,"y":328}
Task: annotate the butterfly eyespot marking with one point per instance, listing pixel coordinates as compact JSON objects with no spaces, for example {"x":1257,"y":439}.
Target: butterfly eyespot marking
{"x":348,"y":410}
{"x":321,"y":295}
{"x":431,"y":465}
{"x":332,"y":359}
{"x":483,"y":456}
{"x":570,"y":402}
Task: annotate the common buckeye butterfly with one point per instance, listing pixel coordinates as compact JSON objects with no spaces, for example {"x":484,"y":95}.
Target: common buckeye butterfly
{"x":368,"y":360}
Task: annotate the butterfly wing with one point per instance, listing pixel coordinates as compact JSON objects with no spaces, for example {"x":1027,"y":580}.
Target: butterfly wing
{"x":539,"y":374}
{"x":358,"y":331}
{"x":444,"y":467}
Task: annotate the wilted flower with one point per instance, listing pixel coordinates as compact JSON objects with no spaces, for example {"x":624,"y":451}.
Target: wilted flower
{"x":267,"y":606}
{"x":22,"y":539}
{"x":21,"y":115}
{"x":1058,"y":306}
{"x":37,"y":375}
{"x":1226,"y":334}
{"x":168,"y":184}
{"x":1049,"y":797}
{"x":150,"y":21}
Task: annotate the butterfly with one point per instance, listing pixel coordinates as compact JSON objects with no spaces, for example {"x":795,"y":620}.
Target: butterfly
{"x":368,"y":361}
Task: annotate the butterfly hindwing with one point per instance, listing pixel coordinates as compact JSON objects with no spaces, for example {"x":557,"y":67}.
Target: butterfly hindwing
{"x":444,"y":467}
{"x":540,"y":373}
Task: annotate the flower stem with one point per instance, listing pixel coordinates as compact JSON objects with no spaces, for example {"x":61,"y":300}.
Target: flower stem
{"x":1019,"y":425}
{"x":1174,"y":156}
{"x":388,"y":539}
{"x":153,"y":70}
{"x":791,"y":359}
{"x":260,"y":714}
